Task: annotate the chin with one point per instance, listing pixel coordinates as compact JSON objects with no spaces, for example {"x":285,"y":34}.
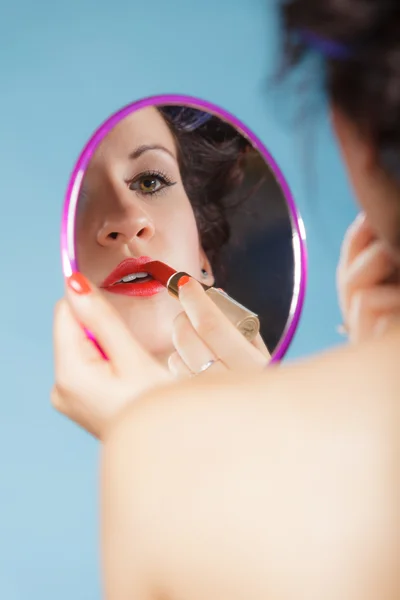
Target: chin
{"x":160,"y":352}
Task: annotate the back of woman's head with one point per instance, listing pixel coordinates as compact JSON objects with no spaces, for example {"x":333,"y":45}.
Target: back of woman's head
{"x":359,"y":41}
{"x":363,"y":62}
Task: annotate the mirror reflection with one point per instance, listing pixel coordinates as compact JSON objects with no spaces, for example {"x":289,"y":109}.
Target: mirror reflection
{"x":180,"y":186}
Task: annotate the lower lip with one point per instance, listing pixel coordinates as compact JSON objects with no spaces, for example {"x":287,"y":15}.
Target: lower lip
{"x":145,"y":289}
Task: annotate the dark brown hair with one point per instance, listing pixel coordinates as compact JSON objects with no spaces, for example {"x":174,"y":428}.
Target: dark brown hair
{"x":211,"y":158}
{"x":364,"y":79}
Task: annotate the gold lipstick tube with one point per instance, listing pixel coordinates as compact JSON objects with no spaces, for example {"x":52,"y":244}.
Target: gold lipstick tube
{"x":243,"y":319}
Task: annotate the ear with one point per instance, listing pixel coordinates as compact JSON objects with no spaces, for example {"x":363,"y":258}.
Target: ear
{"x":206,"y":265}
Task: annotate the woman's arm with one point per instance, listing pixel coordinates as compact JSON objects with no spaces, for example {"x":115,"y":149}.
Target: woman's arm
{"x":280,"y":485}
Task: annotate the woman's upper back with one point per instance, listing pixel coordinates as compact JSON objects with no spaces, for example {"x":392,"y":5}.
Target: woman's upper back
{"x":249,"y":478}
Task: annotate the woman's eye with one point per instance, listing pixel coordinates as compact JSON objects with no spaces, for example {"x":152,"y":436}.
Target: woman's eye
{"x":148,"y":184}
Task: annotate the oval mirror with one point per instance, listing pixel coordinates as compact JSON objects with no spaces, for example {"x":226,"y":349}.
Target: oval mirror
{"x":173,"y":185}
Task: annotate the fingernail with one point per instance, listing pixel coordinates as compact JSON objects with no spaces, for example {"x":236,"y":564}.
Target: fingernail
{"x":79,"y":284}
{"x":183,"y":281}
{"x":359,"y":220}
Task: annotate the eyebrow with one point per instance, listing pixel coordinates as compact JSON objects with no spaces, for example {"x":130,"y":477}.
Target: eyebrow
{"x":148,"y":148}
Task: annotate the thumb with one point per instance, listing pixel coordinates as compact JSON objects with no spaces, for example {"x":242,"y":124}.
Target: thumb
{"x":259,"y":343}
{"x":98,"y":316}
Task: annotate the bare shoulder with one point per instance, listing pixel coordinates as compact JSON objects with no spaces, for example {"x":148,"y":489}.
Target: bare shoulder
{"x":231,"y":473}
{"x":362,"y":377}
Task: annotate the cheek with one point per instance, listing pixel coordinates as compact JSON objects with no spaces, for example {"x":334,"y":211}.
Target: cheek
{"x":179,"y":225}
{"x":87,"y":215}
{"x":87,"y":249}
{"x":87,"y":254}
{"x":87,"y":225}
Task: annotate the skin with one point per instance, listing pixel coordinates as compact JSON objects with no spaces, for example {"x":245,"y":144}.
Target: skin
{"x":368,"y":283}
{"x":281,"y":484}
{"x":276,"y":486}
{"x":252,"y":488}
{"x":119,"y":217}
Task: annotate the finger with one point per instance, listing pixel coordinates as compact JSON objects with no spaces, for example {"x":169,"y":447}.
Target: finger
{"x":259,"y":343}
{"x":67,"y":410}
{"x":372,"y":267}
{"x":56,"y":400}
{"x":358,"y":237}
{"x":73,"y":352}
{"x":216,"y":331}
{"x":59,"y":404}
{"x":177,"y":367}
{"x":368,"y":307}
{"x":180,"y":370}
{"x":190,"y":347}
{"x":97,"y":315}
{"x":214,"y":367}
{"x":71,"y":346}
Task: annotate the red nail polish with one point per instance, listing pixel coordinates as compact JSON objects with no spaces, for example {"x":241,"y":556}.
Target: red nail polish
{"x":79,"y":284}
{"x":183,"y":281}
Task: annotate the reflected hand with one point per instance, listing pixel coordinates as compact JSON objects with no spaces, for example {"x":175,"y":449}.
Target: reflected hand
{"x":89,"y":389}
{"x":203,"y":336}
{"x":368,"y":283}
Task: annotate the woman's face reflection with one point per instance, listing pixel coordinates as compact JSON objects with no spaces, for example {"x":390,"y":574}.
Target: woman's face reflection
{"x":133,"y":204}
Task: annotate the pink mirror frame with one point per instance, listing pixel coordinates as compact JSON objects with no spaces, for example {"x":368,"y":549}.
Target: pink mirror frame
{"x":68,"y":252}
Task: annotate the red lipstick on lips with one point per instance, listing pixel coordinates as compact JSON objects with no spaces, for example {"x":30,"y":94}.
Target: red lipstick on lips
{"x":162,"y":272}
{"x":128,"y":279}
{"x":167,"y":276}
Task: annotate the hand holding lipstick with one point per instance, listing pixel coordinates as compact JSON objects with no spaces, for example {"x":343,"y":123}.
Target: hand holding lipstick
{"x":88,"y":389}
{"x":205,"y":339}
{"x":92,"y":391}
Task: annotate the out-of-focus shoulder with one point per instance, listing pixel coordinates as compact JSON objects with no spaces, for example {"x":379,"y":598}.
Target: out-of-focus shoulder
{"x":364,"y":373}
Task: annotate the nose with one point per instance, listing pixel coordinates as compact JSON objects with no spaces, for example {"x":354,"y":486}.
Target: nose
{"x":126,"y":225}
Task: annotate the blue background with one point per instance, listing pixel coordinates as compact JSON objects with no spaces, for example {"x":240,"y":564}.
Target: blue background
{"x":64,"y":68}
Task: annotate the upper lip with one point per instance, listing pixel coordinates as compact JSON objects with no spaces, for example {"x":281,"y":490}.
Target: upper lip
{"x":126,"y":267}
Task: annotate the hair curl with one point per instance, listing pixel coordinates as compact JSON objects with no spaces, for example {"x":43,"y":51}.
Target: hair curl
{"x":365,"y":85}
{"x":210,"y":153}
